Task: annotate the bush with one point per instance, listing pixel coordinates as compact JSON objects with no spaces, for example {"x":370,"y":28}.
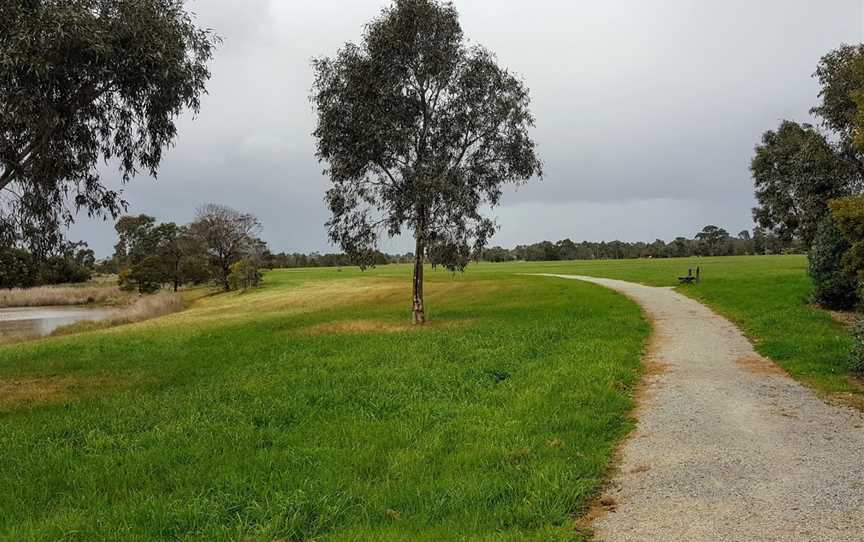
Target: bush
{"x":858,"y":346}
{"x":848,"y":214}
{"x":244,"y":275}
{"x":833,"y":287}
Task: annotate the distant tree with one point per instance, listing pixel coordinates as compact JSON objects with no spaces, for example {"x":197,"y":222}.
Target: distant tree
{"x":566,"y":249}
{"x":679,"y":248}
{"x":496,"y":254}
{"x":137,"y":254}
{"x":419,"y":132}
{"x":227,"y":237}
{"x":796,"y":172}
{"x":83,"y":81}
{"x":712,"y":238}
{"x":134,"y":236}
{"x":149,"y":255}
{"x":657,"y":249}
{"x":759,"y":240}
{"x":181,"y":256}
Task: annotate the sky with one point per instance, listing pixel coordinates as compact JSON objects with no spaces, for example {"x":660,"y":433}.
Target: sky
{"x":647,"y":112}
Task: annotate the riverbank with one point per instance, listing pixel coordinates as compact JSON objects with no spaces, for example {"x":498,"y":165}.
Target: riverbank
{"x":91,"y":293}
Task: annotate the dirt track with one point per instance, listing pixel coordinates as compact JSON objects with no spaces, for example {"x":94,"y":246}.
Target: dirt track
{"x":729,"y":447}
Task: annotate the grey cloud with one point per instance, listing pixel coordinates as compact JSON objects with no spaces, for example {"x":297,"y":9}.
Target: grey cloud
{"x":647,"y":111}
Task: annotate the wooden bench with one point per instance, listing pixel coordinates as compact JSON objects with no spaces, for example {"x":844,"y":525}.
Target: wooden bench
{"x":690,"y":278}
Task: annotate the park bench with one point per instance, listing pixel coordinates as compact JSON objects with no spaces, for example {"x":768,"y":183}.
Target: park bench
{"x":690,"y":278}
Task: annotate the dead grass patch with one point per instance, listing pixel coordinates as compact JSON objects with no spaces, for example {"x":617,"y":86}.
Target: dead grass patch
{"x":846,"y":318}
{"x":16,"y":392}
{"x":144,"y":308}
{"x":758,"y":365}
{"x":378,"y":326}
{"x":850,"y":399}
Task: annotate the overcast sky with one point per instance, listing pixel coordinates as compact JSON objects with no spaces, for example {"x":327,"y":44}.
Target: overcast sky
{"x":647,"y":111}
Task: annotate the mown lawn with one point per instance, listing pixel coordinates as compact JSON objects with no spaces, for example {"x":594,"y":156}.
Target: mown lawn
{"x":767,"y":296}
{"x":309,"y":410}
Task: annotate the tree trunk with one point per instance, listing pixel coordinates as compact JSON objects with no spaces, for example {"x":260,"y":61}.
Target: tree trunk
{"x":419,"y":314}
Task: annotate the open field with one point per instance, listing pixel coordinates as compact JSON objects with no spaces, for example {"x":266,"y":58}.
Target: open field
{"x":310,"y":410}
{"x":766,"y":296}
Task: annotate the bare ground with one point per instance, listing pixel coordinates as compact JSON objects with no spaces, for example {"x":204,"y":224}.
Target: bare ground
{"x":728,"y":446}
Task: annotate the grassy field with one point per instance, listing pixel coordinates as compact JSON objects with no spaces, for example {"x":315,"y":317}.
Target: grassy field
{"x":310,"y":410}
{"x":766,"y":296}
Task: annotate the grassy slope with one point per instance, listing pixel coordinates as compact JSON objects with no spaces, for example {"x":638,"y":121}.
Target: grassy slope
{"x":765,"y":295}
{"x":283,"y":414}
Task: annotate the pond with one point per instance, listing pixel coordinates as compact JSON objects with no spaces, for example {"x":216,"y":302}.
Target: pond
{"x":33,"y":322}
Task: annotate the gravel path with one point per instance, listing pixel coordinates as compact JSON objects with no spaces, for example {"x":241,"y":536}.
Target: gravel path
{"x":728,"y":447}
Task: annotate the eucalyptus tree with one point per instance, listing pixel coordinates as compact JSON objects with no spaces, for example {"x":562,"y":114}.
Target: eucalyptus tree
{"x":226,"y":236}
{"x":82,"y":82}
{"x":713,"y":238}
{"x":841,"y":97}
{"x":419,"y":132}
{"x":797,"y":171}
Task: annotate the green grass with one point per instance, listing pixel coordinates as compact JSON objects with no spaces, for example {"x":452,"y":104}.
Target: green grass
{"x":766,"y":296}
{"x":308,"y":410}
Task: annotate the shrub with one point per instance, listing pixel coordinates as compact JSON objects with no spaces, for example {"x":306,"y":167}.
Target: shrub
{"x":833,"y":287}
{"x":858,"y":346}
{"x":848,"y":214}
{"x":244,"y":275}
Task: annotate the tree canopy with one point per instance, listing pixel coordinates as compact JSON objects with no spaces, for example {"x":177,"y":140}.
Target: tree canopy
{"x":841,"y":79}
{"x":796,"y":172}
{"x":86,"y":81}
{"x":226,"y":236}
{"x":419,"y":132}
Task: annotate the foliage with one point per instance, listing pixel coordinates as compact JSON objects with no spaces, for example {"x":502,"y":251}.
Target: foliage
{"x":419,"y":132}
{"x":848,"y":214}
{"x":149,"y":255}
{"x":833,"y":288}
{"x":285,"y":260}
{"x":71,"y":263}
{"x":796,"y":172}
{"x":841,"y":79}
{"x":709,"y":241}
{"x":245,"y":274}
{"x":83,"y":81}
{"x":226,"y":236}
{"x":714,"y":241}
{"x":858,"y":345}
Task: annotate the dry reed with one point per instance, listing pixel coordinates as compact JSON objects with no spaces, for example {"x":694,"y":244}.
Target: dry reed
{"x":45,"y":296}
{"x":144,"y":308}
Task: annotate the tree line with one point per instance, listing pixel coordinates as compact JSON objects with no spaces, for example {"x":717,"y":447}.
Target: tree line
{"x":66,"y":263}
{"x":220,"y":244}
{"x":711,"y":241}
{"x":285,"y":260}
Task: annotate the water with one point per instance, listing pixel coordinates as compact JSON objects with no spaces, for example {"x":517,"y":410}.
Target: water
{"x":34,"y":322}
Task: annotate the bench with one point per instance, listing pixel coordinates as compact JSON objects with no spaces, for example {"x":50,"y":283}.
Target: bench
{"x":690,"y":278}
